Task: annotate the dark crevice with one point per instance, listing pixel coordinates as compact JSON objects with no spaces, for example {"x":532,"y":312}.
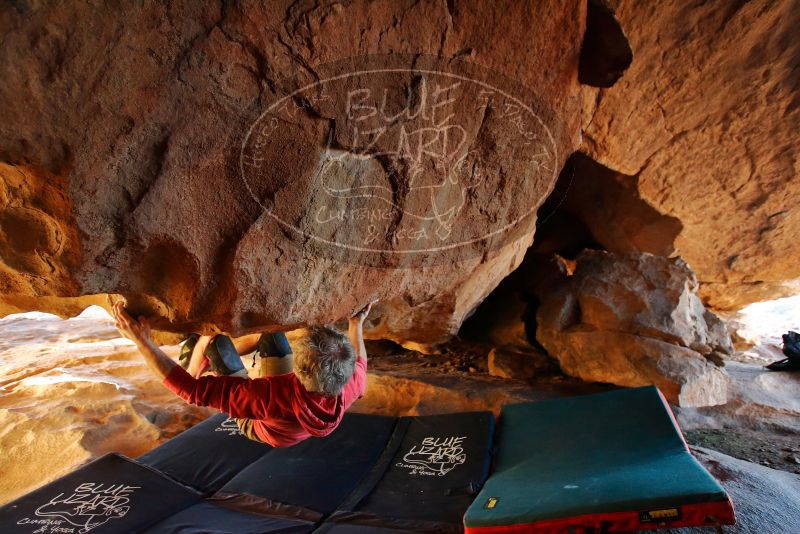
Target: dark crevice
{"x":608,"y":205}
{"x":591,"y":207}
{"x":605,"y":53}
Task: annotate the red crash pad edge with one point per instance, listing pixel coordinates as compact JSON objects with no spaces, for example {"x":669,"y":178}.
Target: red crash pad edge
{"x":689,"y":515}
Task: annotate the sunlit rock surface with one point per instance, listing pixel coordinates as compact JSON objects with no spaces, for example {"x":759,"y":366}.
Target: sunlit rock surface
{"x":72,"y":390}
{"x":704,"y":121}
{"x":756,"y":398}
{"x":757,"y":328}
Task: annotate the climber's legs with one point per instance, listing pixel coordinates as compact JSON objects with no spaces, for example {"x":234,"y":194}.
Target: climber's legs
{"x":219,"y":353}
{"x":276,"y":355}
{"x":198,"y":363}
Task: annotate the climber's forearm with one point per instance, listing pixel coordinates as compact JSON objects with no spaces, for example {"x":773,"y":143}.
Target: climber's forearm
{"x":157,"y":361}
{"x":355,"y":332}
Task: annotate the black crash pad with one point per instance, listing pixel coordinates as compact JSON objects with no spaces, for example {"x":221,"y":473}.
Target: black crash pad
{"x":428,"y":476}
{"x":354,"y":528}
{"x":315,"y":475}
{"x":207,"y":455}
{"x":207,"y":518}
{"x":112,"y":494}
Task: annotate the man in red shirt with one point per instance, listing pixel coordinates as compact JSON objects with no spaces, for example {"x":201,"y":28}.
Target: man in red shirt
{"x":280,"y":410}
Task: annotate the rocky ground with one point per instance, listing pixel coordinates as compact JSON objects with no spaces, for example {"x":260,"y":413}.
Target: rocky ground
{"x":765,"y":499}
{"x":72,"y":390}
{"x":759,"y":423}
{"x":776,"y":450}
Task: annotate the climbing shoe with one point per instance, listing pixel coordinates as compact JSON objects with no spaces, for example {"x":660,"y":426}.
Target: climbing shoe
{"x":273,"y":345}
{"x":223,"y":357}
{"x":786,"y":364}
{"x":186,"y":350}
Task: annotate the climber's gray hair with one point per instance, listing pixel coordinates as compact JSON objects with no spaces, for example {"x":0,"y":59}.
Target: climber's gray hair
{"x":324,"y":360}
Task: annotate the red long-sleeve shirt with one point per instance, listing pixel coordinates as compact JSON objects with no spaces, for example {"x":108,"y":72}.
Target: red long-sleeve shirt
{"x":284,"y":412}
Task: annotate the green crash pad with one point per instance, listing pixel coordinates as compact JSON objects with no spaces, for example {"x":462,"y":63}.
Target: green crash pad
{"x":615,"y":461}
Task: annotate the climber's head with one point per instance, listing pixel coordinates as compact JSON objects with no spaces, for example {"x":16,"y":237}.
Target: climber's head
{"x":324,"y":360}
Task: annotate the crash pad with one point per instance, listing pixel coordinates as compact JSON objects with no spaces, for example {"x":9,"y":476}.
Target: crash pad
{"x":613,"y":462}
{"x":310,"y":479}
{"x":208,"y":518}
{"x":429,"y":474}
{"x":206,"y":456}
{"x":112,"y":494}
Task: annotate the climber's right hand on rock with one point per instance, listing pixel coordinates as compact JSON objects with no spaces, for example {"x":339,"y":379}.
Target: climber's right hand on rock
{"x":362,"y":313}
{"x":136,"y":331}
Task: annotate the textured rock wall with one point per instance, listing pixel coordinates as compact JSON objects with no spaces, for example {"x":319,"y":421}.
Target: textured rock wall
{"x":137,"y":118}
{"x":706,"y":120}
{"x":38,"y":239}
{"x":611,"y":210}
{"x":140,"y":154}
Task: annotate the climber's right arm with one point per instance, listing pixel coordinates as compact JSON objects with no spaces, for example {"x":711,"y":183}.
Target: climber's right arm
{"x":238,"y":397}
{"x":139,"y":333}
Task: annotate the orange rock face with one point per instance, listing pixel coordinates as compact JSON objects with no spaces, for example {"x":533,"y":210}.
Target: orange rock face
{"x":265,"y":166}
{"x":72,"y":390}
{"x":225,"y":169}
{"x":706,"y":120}
{"x":38,"y":238}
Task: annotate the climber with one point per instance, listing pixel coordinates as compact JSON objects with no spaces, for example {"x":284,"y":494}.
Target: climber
{"x":279,"y":409}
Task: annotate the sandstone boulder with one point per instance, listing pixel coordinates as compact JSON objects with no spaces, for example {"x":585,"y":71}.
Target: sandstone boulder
{"x":757,"y":399}
{"x":518,"y":365}
{"x":243,"y":166}
{"x":634,"y":319}
{"x":612,"y":212}
{"x":705,"y":120}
